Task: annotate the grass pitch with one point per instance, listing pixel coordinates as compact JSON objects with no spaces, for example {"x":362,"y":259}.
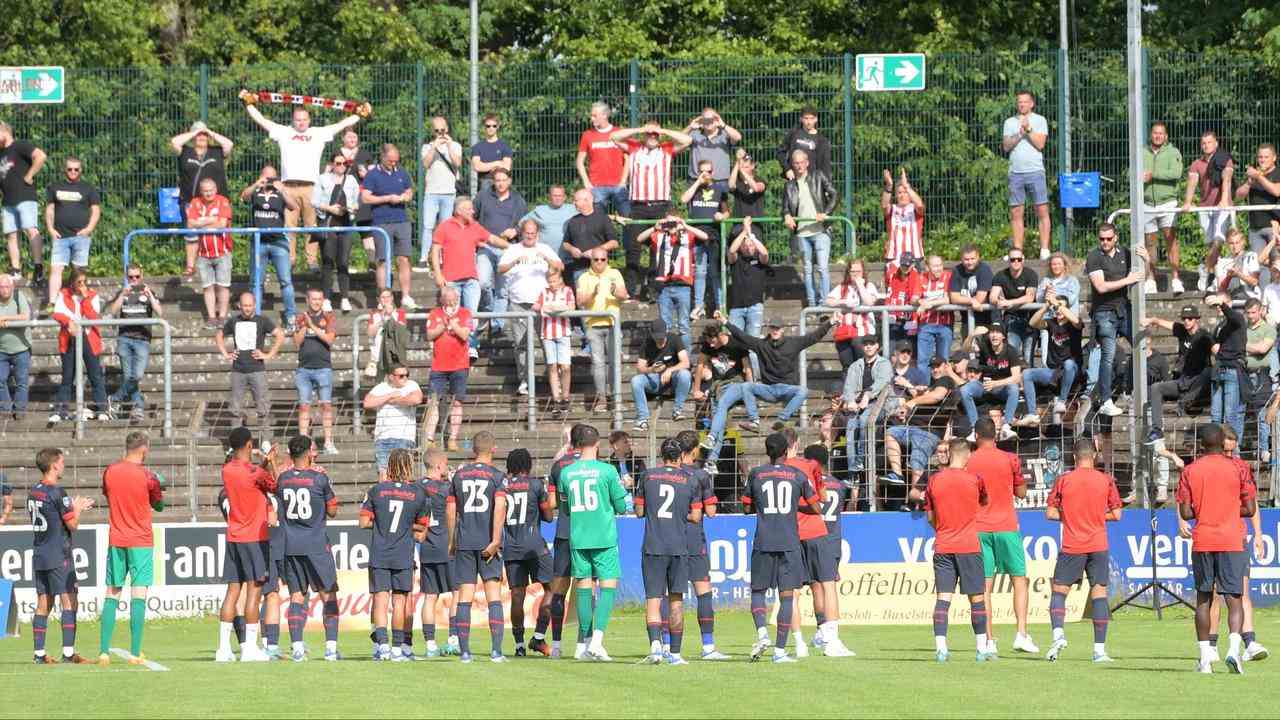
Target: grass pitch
{"x":894,"y":675}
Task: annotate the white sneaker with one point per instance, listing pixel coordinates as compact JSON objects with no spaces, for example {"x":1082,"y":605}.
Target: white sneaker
{"x":371,"y":370}
{"x":697,"y":314}
{"x":55,"y":418}
{"x":1213,"y":655}
{"x":1149,"y":287}
{"x":1234,"y":665}
{"x":836,"y":648}
{"x":992,"y":649}
{"x":1175,"y":285}
{"x":330,"y":449}
{"x":802,"y":650}
{"x":759,"y":648}
{"x":1055,"y":650}
{"x":1162,"y":494}
{"x":1007,"y":433}
{"x":1024,"y":643}
{"x":523,"y":389}
{"x":224,"y":655}
{"x":1031,"y":420}
{"x":1110,"y":408}
{"x":1255,"y":652}
{"x":1205,"y":667}
{"x":580,"y":651}
{"x":473,"y":353}
{"x":253,"y":654}
{"x":1044,"y":253}
{"x":1059,"y":407}
{"x":327,"y":306}
{"x":407,"y":303}
{"x":345,"y":305}
{"x":971,"y":437}
{"x":1202,"y":278}
{"x":596,"y":653}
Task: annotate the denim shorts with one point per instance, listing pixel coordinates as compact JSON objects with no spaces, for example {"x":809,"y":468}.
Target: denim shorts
{"x":311,"y":382}
{"x":1023,"y":184}
{"x":214,"y":271}
{"x":382,"y":449}
{"x":451,"y":382}
{"x":19,"y":217}
{"x":72,"y":250}
{"x":558,"y":351}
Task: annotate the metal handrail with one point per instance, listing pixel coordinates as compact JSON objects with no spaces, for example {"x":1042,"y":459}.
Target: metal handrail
{"x":257,"y":232}
{"x":1211,"y":209}
{"x":615,"y":354}
{"x":868,"y":429}
{"x":114,"y":322}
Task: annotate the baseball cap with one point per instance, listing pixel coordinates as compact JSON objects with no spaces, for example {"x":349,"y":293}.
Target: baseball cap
{"x":1189,"y":311}
{"x":871,"y":340}
{"x":199,"y":127}
{"x":903,"y":346}
{"x":937,"y":360}
{"x":658,"y":328}
{"x":994,"y":327}
{"x":773,"y":323}
{"x":959,"y":356}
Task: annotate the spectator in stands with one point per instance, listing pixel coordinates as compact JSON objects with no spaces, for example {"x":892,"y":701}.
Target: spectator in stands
{"x":903,"y":285}
{"x":213,"y":261}
{"x":748,"y":264}
{"x":722,"y":363}
{"x":1011,"y":289}
{"x":600,"y":289}
{"x":1025,"y":135}
{"x":779,"y":378}
{"x":1230,"y":341}
{"x":524,"y":267}
{"x":135,"y":301}
{"x":1261,"y":341}
{"x":448,"y":328}
{"x":556,"y":298}
{"x":922,"y":422}
{"x":672,"y":242}
{"x":22,"y":161}
{"x":389,"y":190}
{"x":1236,"y":273}
{"x":499,"y":209}
{"x":629,"y":464}
{"x":1110,"y":276}
{"x":866,"y":378}
{"x":727,"y":394}
{"x":301,"y":151}
{"x":1262,"y":187}
{"x":336,"y":198}
{"x":747,"y":190}
{"x":808,"y":198}
{"x":933,"y":326}
{"x":649,"y":166}
{"x":248,"y":333}
{"x":15,"y":348}
{"x":663,"y":366}
{"x":908,"y":379}
{"x":197,"y":160}
{"x":1000,"y":367}
{"x":71,"y":212}
{"x":490,"y":153}
{"x":552,"y":217}
{"x":806,"y":137}
{"x":713,"y":139}
{"x":270,"y":200}
{"x":77,"y":303}
{"x":584,"y":232}
{"x":359,"y":162}
{"x":606,"y":179}
{"x":1065,"y":285}
{"x":314,"y":335}
{"x":442,"y":158}
{"x":396,"y":399}
{"x":1064,"y":359}
{"x":1161,"y":171}
{"x":853,"y":291}
{"x":903,"y":211}
{"x":388,"y":336}
{"x":1211,"y":174}
{"x":457,"y":244}
{"x":970,"y":286}
{"x":707,"y":199}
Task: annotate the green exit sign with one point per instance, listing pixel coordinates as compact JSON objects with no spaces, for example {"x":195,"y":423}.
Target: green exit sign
{"x":886,"y":72}
{"x":29,"y":85}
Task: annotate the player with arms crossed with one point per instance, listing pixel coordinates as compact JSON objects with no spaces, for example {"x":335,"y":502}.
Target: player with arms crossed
{"x":952,"y":502}
{"x":396,"y":509}
{"x":435,"y":571}
{"x":696,"y":535}
{"x":824,"y":558}
{"x":593,"y":493}
{"x":665,"y":498}
{"x":1214,"y":493}
{"x":245,"y":567}
{"x":561,"y":560}
{"x":1084,"y":501}
{"x":54,"y":517}
{"x":524,"y":552}
{"x":307,"y":502}
{"x":477,"y":507}
{"x":776,"y":491}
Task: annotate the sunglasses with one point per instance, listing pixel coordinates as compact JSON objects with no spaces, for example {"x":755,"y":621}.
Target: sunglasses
{"x":1106,"y":238}
{"x":73,"y":170}
{"x":1015,"y":259}
{"x":439,"y":131}
{"x":400,"y":374}
{"x":491,"y":125}
{"x":600,"y":260}
{"x":340,"y":163}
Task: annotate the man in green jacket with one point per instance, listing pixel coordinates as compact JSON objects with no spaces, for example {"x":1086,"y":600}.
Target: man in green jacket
{"x":1161,"y":171}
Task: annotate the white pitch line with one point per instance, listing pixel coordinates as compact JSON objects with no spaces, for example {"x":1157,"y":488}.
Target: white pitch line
{"x":149,"y":664}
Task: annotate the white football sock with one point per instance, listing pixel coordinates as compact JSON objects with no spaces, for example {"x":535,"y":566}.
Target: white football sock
{"x":940,"y":642}
{"x":224,"y":636}
{"x":1233,"y":648}
{"x":1100,"y":648}
{"x":982,"y":642}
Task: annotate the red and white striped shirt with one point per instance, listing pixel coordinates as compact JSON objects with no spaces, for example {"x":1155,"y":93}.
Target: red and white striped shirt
{"x":555,"y":327}
{"x":213,"y":245}
{"x":853,"y":325}
{"x":901,"y":290}
{"x":673,"y":256}
{"x":650,"y":171}
{"x":935,"y":288}
{"x":906,"y":231}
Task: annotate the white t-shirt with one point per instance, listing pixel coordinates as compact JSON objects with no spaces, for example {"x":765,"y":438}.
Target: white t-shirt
{"x":440,"y":179}
{"x":396,"y":422}
{"x":1271,"y":299}
{"x":1024,"y":157}
{"x":300,"y":153}
{"x":528,"y":277}
{"x":1248,"y":263}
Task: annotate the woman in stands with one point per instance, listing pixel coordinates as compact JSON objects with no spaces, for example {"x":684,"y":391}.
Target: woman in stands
{"x":854,"y":290}
{"x":74,"y":304}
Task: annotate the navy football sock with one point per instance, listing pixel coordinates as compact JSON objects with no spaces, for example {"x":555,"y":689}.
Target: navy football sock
{"x":706,"y":618}
{"x":557,"y":616}
{"x":39,"y":626}
{"x":497,"y":628}
{"x":297,"y":617}
{"x":941,"y":611}
{"x":785,"y":605}
{"x":759,"y":611}
{"x":69,"y":628}
{"x":1101,"y":616}
{"x":238,"y":626}
{"x":330,"y":620}
{"x":1057,"y":610}
{"x":979,"y":618}
{"x":464,"y":627}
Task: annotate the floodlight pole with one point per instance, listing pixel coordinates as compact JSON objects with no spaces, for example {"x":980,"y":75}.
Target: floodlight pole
{"x":474,"y":135}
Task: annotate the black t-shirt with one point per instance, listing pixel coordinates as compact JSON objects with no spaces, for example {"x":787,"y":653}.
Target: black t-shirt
{"x":1113,"y":267}
{"x":1231,"y":335}
{"x":747,"y":202}
{"x":746,"y":281}
{"x":934,"y":417}
{"x":668,"y":355}
{"x":268,"y":211}
{"x":243,"y":337}
{"x":72,"y":204}
{"x":725,"y":362}
{"x":587,"y":232}
{"x":708,"y":201}
{"x":1065,"y":342}
{"x":1194,"y":350}
{"x":135,"y":306}
{"x":1259,"y":219}
{"x":15,"y":163}
{"x":192,"y":169}
{"x":997,"y":365}
{"x":313,"y":354}
{"x":360,"y":164}
{"x":1015,"y":287}
{"x":972,"y":283}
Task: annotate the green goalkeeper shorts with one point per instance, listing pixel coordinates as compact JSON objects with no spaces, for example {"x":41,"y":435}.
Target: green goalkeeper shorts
{"x":134,"y":563}
{"x":1002,"y":554}
{"x":598,"y":563}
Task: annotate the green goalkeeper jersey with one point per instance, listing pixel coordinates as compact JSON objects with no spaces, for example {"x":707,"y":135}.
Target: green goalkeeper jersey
{"x":594,"y":495}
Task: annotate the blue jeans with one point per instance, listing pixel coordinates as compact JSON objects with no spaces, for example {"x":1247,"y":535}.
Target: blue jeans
{"x":382,"y":449}
{"x":730,"y":396}
{"x":493,"y":287}
{"x":644,"y":385}
{"x":1107,"y":324}
{"x":920,"y":444}
{"x":1225,"y":405}
{"x":973,"y":391}
{"x":702,"y":260}
{"x":793,"y":395}
{"x":604,"y":195}
{"x":674,"y":306}
{"x":853,"y":438}
{"x":275,"y":252}
{"x":750,"y":320}
{"x":92,"y":374}
{"x":16,"y":366}
{"x":816,"y":250}
{"x":1044,"y":376}
{"x":469,"y":298}
{"x":1021,"y":337}
{"x":435,"y":208}
{"x":933,"y":340}
{"x":134,"y":354}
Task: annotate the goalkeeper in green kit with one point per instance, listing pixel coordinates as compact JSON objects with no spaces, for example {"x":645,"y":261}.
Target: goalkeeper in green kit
{"x":594,"y":497}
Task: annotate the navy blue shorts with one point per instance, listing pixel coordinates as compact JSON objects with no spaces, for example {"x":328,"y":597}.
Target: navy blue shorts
{"x":561,"y":558}
{"x":964,"y":568}
{"x":315,"y":572}
{"x":435,"y":578}
{"x":821,"y":559}
{"x":56,"y":581}
{"x":522,"y":573}
{"x":398,"y":580}
{"x":1225,"y":571}
{"x":452,"y":383}
{"x":664,"y":575}
{"x":781,"y":570}
{"x":468,"y":565}
{"x":246,"y":562}
{"x":1070,"y":568}
{"x":699,"y":567}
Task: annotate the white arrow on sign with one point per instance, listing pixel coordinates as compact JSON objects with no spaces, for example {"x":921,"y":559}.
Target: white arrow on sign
{"x":47,"y":85}
{"x":906,"y":72}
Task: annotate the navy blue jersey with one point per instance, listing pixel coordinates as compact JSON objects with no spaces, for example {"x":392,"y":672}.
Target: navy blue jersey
{"x":435,"y":548}
{"x":394,"y":507}
{"x":833,"y":495}
{"x":474,"y":493}
{"x":553,"y":478}
{"x":700,"y":485}
{"x":666,"y":494}
{"x":522,"y":533}
{"x":775,"y":493}
{"x":304,"y":497}
{"x":50,"y":509}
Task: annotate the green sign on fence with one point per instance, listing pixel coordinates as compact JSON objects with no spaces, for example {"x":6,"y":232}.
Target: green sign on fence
{"x":886,"y":72}
{"x":28,"y":85}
